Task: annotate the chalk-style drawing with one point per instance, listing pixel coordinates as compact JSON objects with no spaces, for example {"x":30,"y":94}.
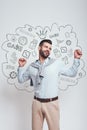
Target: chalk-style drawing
{"x":24,"y":43}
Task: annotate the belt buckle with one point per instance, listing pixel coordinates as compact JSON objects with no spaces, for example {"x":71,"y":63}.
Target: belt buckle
{"x":50,"y":99}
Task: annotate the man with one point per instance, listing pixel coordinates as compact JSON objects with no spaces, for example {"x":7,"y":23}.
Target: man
{"x":44,"y":74}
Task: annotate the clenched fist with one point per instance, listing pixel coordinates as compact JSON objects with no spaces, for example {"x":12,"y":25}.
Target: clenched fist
{"x":77,"y":54}
{"x":22,"y":62}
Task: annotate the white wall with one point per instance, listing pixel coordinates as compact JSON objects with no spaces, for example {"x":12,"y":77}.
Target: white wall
{"x":15,"y":106}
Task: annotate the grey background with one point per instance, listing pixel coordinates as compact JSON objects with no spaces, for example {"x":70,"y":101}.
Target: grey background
{"x":15,"y":106}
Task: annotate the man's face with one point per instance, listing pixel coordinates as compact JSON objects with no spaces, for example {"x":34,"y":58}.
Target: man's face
{"x":45,"y":49}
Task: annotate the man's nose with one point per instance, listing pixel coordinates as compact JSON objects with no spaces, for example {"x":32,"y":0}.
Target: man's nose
{"x":48,"y":49}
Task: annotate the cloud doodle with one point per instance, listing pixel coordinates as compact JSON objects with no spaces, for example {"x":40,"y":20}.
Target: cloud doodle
{"x":24,"y":43}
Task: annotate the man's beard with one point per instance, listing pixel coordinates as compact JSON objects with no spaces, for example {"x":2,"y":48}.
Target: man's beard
{"x":44,"y":54}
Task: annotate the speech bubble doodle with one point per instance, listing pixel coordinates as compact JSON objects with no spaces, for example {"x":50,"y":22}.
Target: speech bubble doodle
{"x":24,"y":43}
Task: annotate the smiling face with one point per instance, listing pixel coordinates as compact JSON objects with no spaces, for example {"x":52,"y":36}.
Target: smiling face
{"x":45,"y":50}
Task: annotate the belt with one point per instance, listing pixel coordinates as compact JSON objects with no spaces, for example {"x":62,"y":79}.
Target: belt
{"x":46,"y":99}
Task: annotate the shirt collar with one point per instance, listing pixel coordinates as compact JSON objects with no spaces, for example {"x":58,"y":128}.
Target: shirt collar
{"x":45,"y":62}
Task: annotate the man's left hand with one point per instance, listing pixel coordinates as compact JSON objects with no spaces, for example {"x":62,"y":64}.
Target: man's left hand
{"x":77,"y":54}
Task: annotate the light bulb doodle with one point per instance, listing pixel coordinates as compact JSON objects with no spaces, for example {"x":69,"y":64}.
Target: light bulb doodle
{"x":24,"y":43}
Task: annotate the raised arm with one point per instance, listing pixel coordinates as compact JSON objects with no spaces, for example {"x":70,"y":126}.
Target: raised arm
{"x":72,"y":71}
{"x":23,"y":75}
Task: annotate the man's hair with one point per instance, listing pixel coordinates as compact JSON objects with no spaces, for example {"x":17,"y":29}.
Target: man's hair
{"x":45,"y":40}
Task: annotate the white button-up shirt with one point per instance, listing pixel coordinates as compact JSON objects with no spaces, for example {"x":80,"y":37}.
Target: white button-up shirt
{"x":48,"y":88}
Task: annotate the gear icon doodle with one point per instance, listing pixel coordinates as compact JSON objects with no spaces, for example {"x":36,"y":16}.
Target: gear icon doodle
{"x":13,"y":74}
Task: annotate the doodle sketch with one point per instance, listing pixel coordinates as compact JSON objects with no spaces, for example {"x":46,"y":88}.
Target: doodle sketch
{"x":24,"y":43}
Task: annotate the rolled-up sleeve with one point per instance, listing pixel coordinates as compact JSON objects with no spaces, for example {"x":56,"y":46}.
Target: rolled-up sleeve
{"x":72,"y":71}
{"x":23,"y":75}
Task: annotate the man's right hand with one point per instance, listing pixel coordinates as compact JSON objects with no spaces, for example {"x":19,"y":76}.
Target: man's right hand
{"x":22,"y":62}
